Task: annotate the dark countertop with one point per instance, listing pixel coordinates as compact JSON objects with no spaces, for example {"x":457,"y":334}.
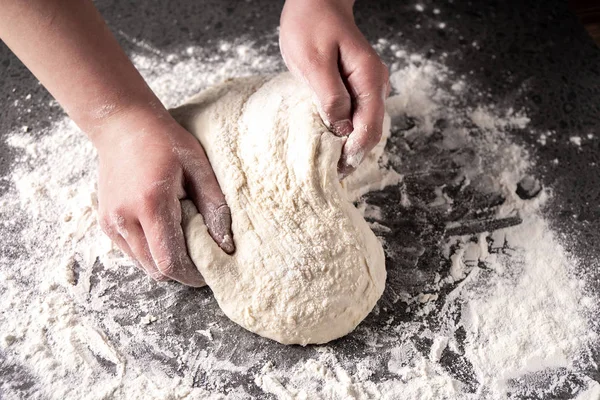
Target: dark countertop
{"x":531,"y":55}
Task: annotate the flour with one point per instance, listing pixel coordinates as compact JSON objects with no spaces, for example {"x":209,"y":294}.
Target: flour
{"x":307,"y":268}
{"x":505,"y":314}
{"x":576,"y":140}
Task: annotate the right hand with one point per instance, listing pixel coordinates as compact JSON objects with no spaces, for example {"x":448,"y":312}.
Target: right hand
{"x":321,"y":45}
{"x":148,"y":163}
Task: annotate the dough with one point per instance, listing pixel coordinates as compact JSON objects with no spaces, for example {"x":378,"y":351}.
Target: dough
{"x":307,"y":267}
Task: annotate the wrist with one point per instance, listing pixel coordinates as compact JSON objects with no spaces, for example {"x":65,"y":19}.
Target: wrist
{"x":115,"y":123}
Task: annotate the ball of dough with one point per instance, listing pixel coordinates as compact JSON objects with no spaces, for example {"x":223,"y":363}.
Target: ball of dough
{"x":307,"y":267}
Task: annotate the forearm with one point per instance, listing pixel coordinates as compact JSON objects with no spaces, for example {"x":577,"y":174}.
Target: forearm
{"x":69,"y":48}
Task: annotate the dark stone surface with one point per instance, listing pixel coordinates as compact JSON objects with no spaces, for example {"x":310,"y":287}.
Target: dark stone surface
{"x":531,"y":55}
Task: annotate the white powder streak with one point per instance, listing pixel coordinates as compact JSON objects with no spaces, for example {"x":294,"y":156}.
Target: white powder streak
{"x":523,"y":313}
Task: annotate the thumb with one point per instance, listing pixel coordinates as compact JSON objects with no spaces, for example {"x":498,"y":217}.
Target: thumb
{"x":203,"y":188}
{"x":207,"y":256}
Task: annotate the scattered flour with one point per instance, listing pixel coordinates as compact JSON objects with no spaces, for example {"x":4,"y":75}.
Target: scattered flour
{"x":506,"y":318}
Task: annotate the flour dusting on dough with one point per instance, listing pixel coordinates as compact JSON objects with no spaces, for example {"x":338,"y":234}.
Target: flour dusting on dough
{"x":307,"y":267}
{"x":502,"y":317}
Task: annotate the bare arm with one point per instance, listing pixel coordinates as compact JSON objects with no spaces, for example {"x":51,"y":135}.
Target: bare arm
{"x":321,"y":44}
{"x":147,"y":162}
{"x":68,"y":47}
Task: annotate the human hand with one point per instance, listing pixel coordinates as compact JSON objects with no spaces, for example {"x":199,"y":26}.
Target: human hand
{"x":148,"y":163}
{"x":321,"y":44}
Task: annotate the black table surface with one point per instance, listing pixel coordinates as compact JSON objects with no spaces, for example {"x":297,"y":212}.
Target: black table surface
{"x":534,"y":55}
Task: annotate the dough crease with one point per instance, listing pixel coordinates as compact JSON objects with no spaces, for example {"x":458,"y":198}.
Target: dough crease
{"x":307,"y":267}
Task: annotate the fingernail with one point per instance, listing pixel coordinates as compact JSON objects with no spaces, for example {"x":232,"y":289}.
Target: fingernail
{"x":227,"y":244}
{"x":352,"y":156}
{"x":342,"y":128}
{"x":344,"y":168}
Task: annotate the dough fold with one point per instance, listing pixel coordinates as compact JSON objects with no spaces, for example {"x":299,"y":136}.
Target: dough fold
{"x":307,"y":267}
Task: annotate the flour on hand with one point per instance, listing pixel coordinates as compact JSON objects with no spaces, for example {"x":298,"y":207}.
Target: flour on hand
{"x":307,"y":267}
{"x":521,"y":324}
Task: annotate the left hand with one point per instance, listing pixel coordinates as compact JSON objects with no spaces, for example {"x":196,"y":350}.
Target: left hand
{"x":321,"y":44}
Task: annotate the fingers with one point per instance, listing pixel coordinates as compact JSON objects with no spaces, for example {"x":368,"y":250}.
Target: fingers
{"x":220,"y":221}
{"x":129,"y":236}
{"x":157,"y":244}
{"x":204,"y":190}
{"x":333,"y":99}
{"x":141,"y":252}
{"x":368,"y":81}
{"x":313,"y":57}
{"x":167,"y":247}
{"x":348,"y":78}
{"x":350,"y":84}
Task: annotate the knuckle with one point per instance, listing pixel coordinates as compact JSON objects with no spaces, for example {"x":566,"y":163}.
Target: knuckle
{"x":113,"y":222}
{"x":157,"y":197}
{"x":158,"y":276}
{"x":106,"y":225}
{"x":149,"y":195}
{"x":151,"y":199}
{"x":337,"y":102}
{"x":376,"y":68}
{"x":166,"y":266}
